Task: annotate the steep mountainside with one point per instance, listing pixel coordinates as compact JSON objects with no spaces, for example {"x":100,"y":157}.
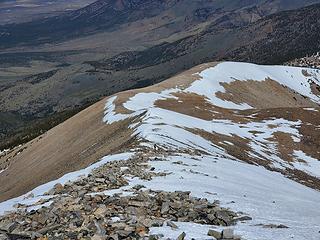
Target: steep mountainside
{"x":243,"y":139}
{"x":274,"y":44}
{"x":273,"y":40}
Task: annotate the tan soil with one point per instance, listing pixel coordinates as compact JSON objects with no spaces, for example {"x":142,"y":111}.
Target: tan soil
{"x":197,"y":106}
{"x":265,"y":94}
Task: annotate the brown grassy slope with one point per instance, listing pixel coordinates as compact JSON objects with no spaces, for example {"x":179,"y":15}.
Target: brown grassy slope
{"x":76,"y":143}
{"x":72,"y":145}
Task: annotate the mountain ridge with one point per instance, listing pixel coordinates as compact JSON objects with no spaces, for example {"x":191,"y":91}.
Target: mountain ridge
{"x":87,"y":69}
{"x":207,"y":131}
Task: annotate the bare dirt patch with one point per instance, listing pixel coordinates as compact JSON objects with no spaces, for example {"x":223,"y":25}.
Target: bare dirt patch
{"x":181,"y":81}
{"x":263,"y":94}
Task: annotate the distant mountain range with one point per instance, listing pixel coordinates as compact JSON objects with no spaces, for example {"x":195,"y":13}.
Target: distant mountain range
{"x":108,"y":15}
{"x":18,"y":11}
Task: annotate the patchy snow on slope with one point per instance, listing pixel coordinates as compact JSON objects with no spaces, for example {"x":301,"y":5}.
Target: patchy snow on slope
{"x":306,"y":163}
{"x":227,"y":72}
{"x":268,"y":197}
{"x":38,"y":193}
{"x":109,"y":114}
{"x":171,"y":129}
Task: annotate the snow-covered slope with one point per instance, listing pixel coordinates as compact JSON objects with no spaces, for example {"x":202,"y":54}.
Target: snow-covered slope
{"x":236,"y":132}
{"x":243,"y":134}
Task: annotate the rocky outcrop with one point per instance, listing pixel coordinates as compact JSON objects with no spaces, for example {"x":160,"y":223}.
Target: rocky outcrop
{"x":81,"y":210}
{"x":312,"y":61}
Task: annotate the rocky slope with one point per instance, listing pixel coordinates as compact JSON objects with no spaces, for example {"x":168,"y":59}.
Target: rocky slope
{"x":312,"y":61}
{"x":225,"y":149}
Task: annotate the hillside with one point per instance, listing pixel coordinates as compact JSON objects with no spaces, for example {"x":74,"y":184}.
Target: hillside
{"x":46,"y":83}
{"x":221,"y":146}
{"x":169,"y":16}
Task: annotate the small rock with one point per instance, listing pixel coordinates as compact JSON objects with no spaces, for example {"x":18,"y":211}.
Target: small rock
{"x":129,"y":229}
{"x":274,"y":226}
{"x":215,"y":234}
{"x":156,"y":236}
{"x":113,"y":237}
{"x":227,"y":233}
{"x":98,"y":237}
{"x":4,"y":237}
{"x":23,"y":234}
{"x":100,"y":180}
{"x":137,"y":204}
{"x":42,"y":238}
{"x":224,"y":216}
{"x":141,"y":231}
{"x":282,"y":226}
{"x":138,"y":187}
{"x":123,"y":233}
{"x":35,"y":235}
{"x":243,"y":218}
{"x":58,"y":188}
{"x":157,"y":222}
{"x":8,"y":226}
{"x":211,"y":217}
{"x":41,"y":218}
{"x":31,"y":195}
{"x":101,"y":211}
{"x":49,"y":229}
{"x":181,"y":236}
{"x":172,"y":225}
{"x":99,"y":228}
{"x":165,"y":207}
